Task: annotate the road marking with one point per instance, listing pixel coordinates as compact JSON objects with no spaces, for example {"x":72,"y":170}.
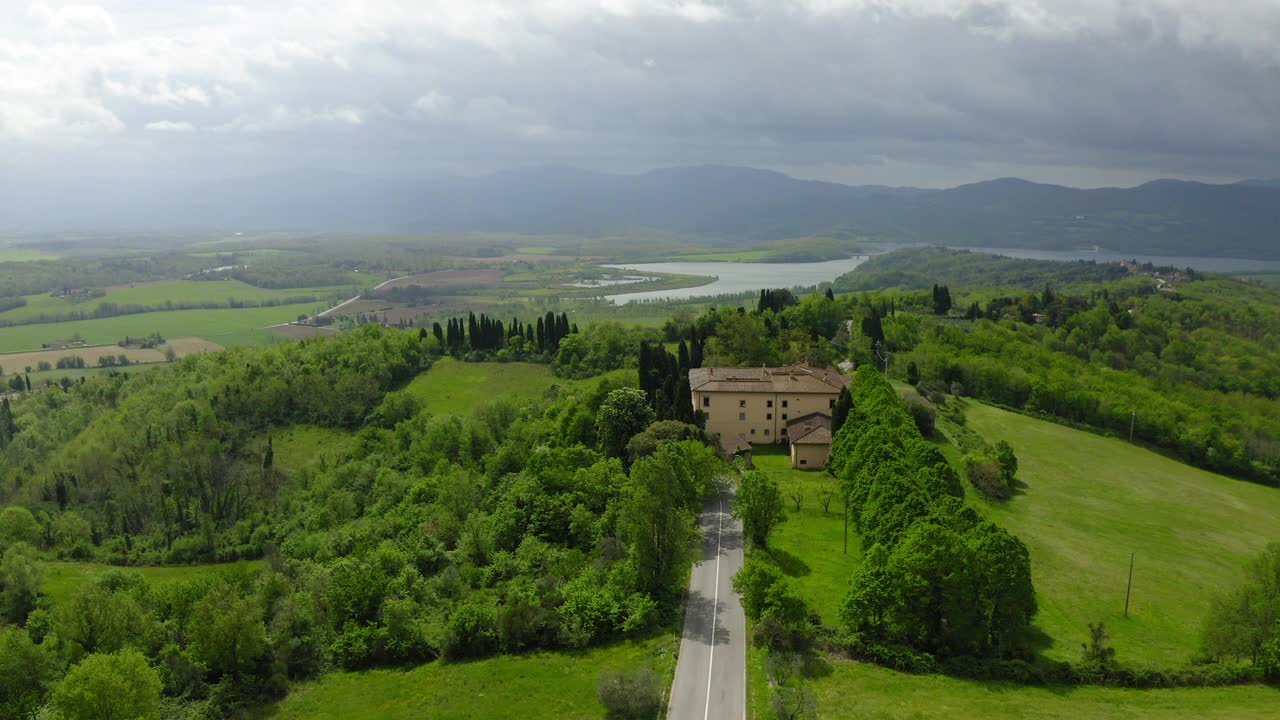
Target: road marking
{"x":715,"y":607}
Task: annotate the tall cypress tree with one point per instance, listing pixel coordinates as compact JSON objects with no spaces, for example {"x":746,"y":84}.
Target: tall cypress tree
{"x":840,"y":413}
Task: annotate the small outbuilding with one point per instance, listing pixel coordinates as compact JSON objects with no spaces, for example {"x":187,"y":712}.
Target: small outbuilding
{"x":810,"y":437}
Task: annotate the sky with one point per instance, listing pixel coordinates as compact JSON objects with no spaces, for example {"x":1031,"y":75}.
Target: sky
{"x":930,"y":93}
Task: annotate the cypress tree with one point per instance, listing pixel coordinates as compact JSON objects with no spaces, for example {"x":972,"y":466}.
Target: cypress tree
{"x":684,"y":358}
{"x":840,"y":412}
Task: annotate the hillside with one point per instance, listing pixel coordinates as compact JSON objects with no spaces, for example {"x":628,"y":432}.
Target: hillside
{"x":1089,"y":501}
{"x":731,"y":205}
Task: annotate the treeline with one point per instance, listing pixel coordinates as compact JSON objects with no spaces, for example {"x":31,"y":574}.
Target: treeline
{"x":292,"y":273}
{"x":516,"y":528}
{"x":485,"y":335}
{"x":12,"y":303}
{"x":111,"y":309}
{"x":1190,"y":371}
{"x":68,"y":274}
{"x":935,"y":578}
{"x":919,"y":268}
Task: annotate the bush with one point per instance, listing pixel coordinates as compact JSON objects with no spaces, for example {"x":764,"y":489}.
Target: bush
{"x":471,"y":632}
{"x":923,"y":413}
{"x":628,"y":695}
{"x":984,"y":475}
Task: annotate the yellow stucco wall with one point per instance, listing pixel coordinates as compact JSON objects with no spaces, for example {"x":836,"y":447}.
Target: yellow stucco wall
{"x":809,"y":457}
{"x":733,"y":414}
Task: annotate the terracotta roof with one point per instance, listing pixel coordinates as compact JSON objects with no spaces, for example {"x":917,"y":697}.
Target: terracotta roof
{"x":790,"y":379}
{"x":732,"y":445}
{"x":811,"y":429}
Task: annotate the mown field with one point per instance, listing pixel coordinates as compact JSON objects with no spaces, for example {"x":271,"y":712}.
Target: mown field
{"x":550,"y":685}
{"x":857,"y":691}
{"x":241,"y":326}
{"x":1089,"y":501}
{"x":809,"y":546}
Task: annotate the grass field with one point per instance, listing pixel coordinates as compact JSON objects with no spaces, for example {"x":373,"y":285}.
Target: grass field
{"x":856,"y":691}
{"x":177,"y":291}
{"x":24,"y":255}
{"x":728,"y":256}
{"x":1089,"y":501}
{"x":452,"y":387}
{"x":63,"y":579}
{"x":224,"y":327}
{"x":550,"y":685}
{"x":809,"y":546}
{"x":298,"y":446}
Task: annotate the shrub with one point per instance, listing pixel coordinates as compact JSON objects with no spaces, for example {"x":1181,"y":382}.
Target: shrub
{"x":924,"y":413}
{"x":471,"y":632}
{"x":984,"y":475}
{"x":630,"y":695}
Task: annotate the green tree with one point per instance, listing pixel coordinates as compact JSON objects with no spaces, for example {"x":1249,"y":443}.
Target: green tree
{"x":116,"y":686}
{"x":1008,"y":463}
{"x":17,"y":524}
{"x":840,"y":411}
{"x":759,"y":503}
{"x":742,"y":340}
{"x":26,"y":669}
{"x":20,"y":579}
{"x":1244,"y":620}
{"x":623,"y":414}
{"x":227,"y":632}
{"x":655,"y":522}
{"x":1096,"y":651}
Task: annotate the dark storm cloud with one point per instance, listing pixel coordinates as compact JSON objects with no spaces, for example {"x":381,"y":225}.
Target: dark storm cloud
{"x":914,"y":91}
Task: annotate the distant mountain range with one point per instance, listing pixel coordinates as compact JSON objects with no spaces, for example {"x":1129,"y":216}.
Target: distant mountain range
{"x":725,"y":205}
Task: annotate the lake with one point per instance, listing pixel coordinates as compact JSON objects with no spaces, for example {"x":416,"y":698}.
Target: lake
{"x":735,"y":278}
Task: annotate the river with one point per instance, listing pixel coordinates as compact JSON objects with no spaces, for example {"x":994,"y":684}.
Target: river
{"x":737,"y":277}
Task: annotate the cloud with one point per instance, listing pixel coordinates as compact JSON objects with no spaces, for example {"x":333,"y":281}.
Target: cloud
{"x":170,"y":126}
{"x":901,"y":91}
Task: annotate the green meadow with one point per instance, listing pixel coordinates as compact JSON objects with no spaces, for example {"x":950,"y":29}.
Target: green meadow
{"x":536,"y":686}
{"x":809,"y":546}
{"x":63,"y":579}
{"x":1090,"y":501}
{"x":457,"y":388}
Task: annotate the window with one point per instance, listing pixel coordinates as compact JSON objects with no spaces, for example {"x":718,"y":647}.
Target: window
{"x":706,"y":401}
{"x":768,"y":403}
{"x":784,"y":431}
{"x":803,"y":461}
{"x":784,"y":403}
{"x":766,"y":432}
{"x":742,"y":416}
{"x":784,"y":416}
{"x":768,"y":416}
{"x":831,"y":402}
{"x":753,"y":431}
{"x":742,"y":403}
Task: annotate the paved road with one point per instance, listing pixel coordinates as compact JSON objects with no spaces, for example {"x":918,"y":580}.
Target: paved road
{"x":711,"y":674}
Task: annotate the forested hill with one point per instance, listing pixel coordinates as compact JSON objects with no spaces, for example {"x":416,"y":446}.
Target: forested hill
{"x":921,"y":267}
{"x":732,"y":205}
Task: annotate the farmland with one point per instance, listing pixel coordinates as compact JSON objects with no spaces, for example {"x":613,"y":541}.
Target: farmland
{"x":241,"y":326}
{"x":18,"y":362}
{"x":158,"y":295}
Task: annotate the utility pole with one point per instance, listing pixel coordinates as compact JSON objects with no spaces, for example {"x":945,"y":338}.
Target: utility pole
{"x":883,"y":355}
{"x":1128,"y":591}
{"x":846,"y":523}
{"x":1132,"y":419}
